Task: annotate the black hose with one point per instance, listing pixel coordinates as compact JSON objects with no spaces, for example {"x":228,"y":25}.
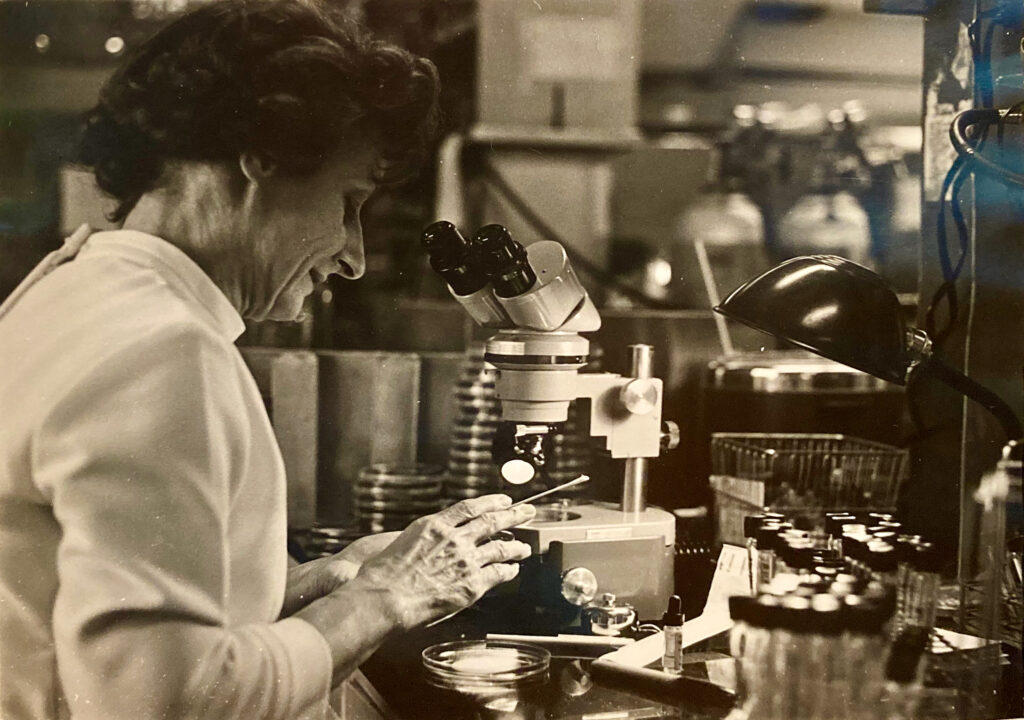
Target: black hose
{"x":979,"y":393}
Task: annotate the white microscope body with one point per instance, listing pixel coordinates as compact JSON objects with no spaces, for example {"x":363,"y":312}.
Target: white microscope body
{"x":585,"y":550}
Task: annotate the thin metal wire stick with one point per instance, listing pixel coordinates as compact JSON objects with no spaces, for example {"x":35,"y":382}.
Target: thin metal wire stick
{"x":576,"y":481}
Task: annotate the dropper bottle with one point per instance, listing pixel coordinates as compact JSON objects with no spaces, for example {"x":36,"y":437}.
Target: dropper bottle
{"x":672,"y":624}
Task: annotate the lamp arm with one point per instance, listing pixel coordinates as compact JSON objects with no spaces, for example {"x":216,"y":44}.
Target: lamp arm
{"x":955,"y":379}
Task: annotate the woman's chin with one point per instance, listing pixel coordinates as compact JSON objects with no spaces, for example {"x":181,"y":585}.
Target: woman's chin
{"x":289,"y":307}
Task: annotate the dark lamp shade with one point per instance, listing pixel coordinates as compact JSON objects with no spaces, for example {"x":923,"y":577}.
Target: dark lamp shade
{"x":830,"y":306}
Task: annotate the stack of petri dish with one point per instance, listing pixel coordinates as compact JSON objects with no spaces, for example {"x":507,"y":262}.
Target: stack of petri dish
{"x":326,"y":540}
{"x":471,"y":472}
{"x":389,"y":497}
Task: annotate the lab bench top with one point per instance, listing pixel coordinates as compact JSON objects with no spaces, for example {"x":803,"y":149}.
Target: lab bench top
{"x":569,"y":693}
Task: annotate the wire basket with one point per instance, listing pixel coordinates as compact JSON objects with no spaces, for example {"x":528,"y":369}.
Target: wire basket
{"x":798,"y":473}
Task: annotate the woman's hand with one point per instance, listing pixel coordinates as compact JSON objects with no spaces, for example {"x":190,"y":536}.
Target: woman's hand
{"x":316,"y":578}
{"x":444,"y":562}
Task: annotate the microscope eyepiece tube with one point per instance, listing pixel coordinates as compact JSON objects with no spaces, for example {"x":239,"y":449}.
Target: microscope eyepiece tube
{"x":451,"y":257}
{"x":504,"y":260}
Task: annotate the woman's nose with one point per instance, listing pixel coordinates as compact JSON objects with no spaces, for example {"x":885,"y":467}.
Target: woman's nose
{"x":353,"y":257}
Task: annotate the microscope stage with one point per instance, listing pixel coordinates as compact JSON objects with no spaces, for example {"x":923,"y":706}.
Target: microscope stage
{"x":594,"y":522}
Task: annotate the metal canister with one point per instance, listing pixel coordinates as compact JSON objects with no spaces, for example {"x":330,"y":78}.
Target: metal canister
{"x":793,"y":391}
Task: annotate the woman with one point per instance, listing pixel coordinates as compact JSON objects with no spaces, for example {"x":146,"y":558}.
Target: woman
{"x":143,"y":571}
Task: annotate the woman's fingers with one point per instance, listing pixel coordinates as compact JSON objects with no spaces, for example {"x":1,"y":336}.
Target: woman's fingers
{"x":501,"y":551}
{"x":465,"y":510}
{"x":495,"y":574}
{"x":490,"y":523}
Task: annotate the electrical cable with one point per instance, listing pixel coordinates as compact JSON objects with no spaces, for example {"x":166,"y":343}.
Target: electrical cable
{"x":952,"y":183}
{"x":982,"y":88}
{"x":964,"y":147}
{"x":947,"y":290}
{"x":952,"y":273}
{"x":494,"y":177}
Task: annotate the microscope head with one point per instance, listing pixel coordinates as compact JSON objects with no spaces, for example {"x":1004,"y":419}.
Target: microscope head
{"x":540,"y":306}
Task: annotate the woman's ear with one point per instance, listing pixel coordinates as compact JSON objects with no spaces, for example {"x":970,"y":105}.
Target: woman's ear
{"x":256,"y":168}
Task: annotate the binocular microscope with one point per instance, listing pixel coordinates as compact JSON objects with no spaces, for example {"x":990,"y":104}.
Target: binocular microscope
{"x":585,"y":553}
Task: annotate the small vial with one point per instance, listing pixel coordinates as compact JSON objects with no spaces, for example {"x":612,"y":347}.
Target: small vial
{"x":751,"y":523}
{"x":739,"y":645}
{"x":766,"y":538}
{"x":672,"y":624}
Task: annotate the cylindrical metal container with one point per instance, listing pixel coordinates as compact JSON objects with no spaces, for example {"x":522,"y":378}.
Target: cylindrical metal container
{"x":793,"y":391}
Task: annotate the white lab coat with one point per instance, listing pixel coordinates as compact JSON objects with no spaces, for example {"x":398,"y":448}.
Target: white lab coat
{"x":142,"y":503}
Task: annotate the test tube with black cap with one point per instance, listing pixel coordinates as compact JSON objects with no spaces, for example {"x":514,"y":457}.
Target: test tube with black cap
{"x":751,"y":524}
{"x":767,"y":536}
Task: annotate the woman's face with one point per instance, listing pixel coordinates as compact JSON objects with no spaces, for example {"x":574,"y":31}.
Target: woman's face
{"x":303,"y":228}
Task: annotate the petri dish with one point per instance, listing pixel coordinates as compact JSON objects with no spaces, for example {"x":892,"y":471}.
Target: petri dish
{"x":481,"y":667}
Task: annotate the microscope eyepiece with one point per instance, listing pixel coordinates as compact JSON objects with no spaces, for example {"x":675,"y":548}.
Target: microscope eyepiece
{"x":452,"y":257}
{"x":504,"y":260}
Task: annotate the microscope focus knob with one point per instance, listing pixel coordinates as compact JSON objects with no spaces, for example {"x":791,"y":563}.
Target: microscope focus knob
{"x":640,"y":396}
{"x":579,"y":586}
{"x":669,"y":435}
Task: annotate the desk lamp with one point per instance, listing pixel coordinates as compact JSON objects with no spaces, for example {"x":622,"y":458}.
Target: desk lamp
{"x":844,"y":312}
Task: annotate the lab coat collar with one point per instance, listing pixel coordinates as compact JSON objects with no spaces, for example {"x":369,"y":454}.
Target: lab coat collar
{"x":177,"y":267}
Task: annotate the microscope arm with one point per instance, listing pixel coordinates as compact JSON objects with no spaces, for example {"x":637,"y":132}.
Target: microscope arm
{"x":626,"y":411}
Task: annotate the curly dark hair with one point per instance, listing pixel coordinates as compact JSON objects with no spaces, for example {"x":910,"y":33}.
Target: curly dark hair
{"x":285,"y":79}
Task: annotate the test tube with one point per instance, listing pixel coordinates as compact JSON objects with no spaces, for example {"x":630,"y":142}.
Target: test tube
{"x":739,"y":612}
{"x":825,"y":657}
{"x":922,"y":591}
{"x":864,"y":646}
{"x":903,"y":674}
{"x":797,"y":688}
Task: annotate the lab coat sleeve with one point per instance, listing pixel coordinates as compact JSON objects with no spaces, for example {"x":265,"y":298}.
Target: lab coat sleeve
{"x":139,"y":459}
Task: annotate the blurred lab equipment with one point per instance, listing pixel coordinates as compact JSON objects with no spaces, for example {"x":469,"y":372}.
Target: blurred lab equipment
{"x":854,"y":584}
{"x":470,"y":472}
{"x":829,"y":219}
{"x":992,"y":537}
{"x":805,"y":475}
{"x":636,"y":265}
{"x":539,"y":308}
{"x":795,"y":391}
{"x":723,"y":223}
